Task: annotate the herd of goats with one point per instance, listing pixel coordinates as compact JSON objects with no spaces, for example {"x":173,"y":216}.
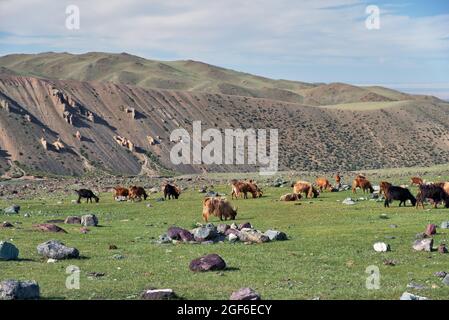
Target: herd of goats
{"x":435,"y":193}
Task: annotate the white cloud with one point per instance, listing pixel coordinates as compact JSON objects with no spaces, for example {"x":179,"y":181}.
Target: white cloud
{"x":230,"y":32}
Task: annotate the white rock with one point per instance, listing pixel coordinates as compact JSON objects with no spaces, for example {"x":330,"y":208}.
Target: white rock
{"x":52,"y":260}
{"x":410,"y":296}
{"x":381,"y":247}
{"x":348,"y":201}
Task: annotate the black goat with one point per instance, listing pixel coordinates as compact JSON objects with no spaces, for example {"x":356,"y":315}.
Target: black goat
{"x":171,"y":191}
{"x":87,"y":194}
{"x":398,"y":193}
{"x":433,"y":192}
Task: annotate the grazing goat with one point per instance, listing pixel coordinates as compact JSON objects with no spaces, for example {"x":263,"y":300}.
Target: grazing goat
{"x":323,"y":183}
{"x":120,"y":192}
{"x":171,"y":191}
{"x":433,"y":192}
{"x":306,"y":188}
{"x":362,"y":183}
{"x":398,"y":193}
{"x":137,"y":193}
{"x":218,"y":207}
{"x":245,"y":187}
{"x":87,"y":194}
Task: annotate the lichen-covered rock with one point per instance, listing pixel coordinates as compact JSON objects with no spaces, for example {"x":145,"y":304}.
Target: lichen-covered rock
{"x":253,"y":236}
{"x":423,"y":245}
{"x":48,"y":227}
{"x":57,"y":250}
{"x":159,"y":294}
{"x":89,"y":220}
{"x":19,"y":290}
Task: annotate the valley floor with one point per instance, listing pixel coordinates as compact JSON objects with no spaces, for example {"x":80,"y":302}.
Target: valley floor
{"x":329,"y":248}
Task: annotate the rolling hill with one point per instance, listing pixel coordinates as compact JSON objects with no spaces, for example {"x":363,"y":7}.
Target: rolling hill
{"x":83,"y":101}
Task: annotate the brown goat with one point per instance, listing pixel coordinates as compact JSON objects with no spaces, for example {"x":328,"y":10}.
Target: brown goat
{"x":218,"y":207}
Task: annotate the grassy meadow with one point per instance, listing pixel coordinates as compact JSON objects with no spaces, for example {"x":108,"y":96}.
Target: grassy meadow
{"x":328,"y":251}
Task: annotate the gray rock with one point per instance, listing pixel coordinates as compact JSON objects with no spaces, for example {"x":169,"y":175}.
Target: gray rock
{"x":209,"y":262}
{"x":158,"y":294}
{"x":275,"y":235}
{"x":446,"y":280}
{"x":445,"y":225}
{"x":14,"y":209}
{"x":72,"y":220}
{"x":232,"y":238}
{"x":423,"y":245}
{"x":55,"y":249}
{"x":118,"y":257}
{"x":416,"y":286}
{"x":410,"y":296}
{"x":440,"y":274}
{"x":207,"y":232}
{"x":8,"y":251}
{"x":245,"y":294}
{"x":163,"y":239}
{"x":18,"y":290}
{"x":221,"y":228}
{"x":348,"y":201}
{"x":253,"y":236}
{"x":89,"y":220}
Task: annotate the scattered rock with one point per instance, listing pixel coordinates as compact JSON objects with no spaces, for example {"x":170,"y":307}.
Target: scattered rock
{"x":393,"y":226}
{"x":113,"y":247}
{"x":445,"y":225}
{"x":381,"y":247}
{"x":56,"y":250}
{"x":274,"y":235}
{"x":423,"y":245}
{"x":246,"y":225}
{"x":416,"y":286}
{"x":410,"y":296}
{"x":209,"y":262}
{"x":159,"y":294}
{"x":421,"y":235}
{"x":206,"y":232}
{"x":446,"y":280}
{"x":6,"y":224}
{"x":245,"y":294}
{"x":89,"y":220}
{"x":431,"y":229}
{"x":348,"y":201}
{"x":176,"y":233}
{"x":221,"y":228}
{"x":52,"y":260}
{"x":121,"y":198}
{"x":440,"y":274}
{"x":442,"y":248}
{"x":389,"y":262}
{"x":96,"y":274}
{"x":8,"y":251}
{"x":84,"y":230}
{"x":232,"y":237}
{"x":14,"y":209}
{"x":19,"y":290}
{"x":163,"y":239}
{"x":48,"y":227}
{"x":252,"y":236}
{"x":72,"y":220}
{"x":118,"y":257}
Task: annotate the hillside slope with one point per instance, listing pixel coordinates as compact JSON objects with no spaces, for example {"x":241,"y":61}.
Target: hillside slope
{"x":311,"y":138}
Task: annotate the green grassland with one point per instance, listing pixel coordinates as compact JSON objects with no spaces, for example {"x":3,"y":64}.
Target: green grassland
{"x":328,"y":251}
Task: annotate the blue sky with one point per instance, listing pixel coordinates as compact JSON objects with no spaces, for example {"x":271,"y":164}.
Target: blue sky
{"x":310,"y":40}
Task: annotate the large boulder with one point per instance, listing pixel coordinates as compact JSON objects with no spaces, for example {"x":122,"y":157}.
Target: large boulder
{"x":253,"y":236}
{"x":245,"y":294}
{"x":72,"y":220}
{"x":14,"y":209}
{"x":207,"y":232}
{"x":89,"y":220}
{"x":158,"y":294}
{"x":57,"y":250}
{"x":275,"y":235}
{"x":209,"y":262}
{"x":48,"y":227}
{"x":8,"y":251}
{"x":423,"y":244}
{"x":18,"y":290}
